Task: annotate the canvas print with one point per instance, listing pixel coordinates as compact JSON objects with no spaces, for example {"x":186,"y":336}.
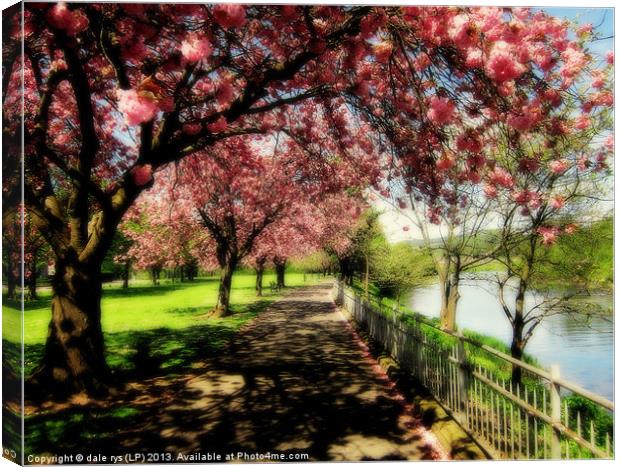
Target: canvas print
{"x":306,"y":232}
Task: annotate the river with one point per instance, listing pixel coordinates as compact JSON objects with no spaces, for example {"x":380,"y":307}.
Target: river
{"x":584,"y":351}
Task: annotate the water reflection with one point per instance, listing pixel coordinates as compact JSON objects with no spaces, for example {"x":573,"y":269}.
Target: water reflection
{"x":584,"y":350}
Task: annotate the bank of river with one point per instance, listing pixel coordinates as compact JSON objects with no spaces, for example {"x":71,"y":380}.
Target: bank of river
{"x":584,"y":351}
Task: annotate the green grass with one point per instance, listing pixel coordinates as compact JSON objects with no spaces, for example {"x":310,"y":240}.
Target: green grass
{"x":146,"y":326}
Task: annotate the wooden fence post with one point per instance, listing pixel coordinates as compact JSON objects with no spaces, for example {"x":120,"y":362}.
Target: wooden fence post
{"x":556,"y":412}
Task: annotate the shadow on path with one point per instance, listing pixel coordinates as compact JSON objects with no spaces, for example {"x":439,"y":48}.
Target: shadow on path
{"x":293,"y":381}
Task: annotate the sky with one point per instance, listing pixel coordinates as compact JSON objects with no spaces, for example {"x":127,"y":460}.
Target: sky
{"x":603,"y":20}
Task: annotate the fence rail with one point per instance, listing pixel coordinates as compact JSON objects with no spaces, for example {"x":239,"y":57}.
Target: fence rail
{"x":543,"y":417}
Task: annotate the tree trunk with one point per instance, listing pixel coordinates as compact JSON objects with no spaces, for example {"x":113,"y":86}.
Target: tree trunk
{"x":259,"y":280}
{"x":518,"y":343}
{"x":32,"y":281}
{"x":516,"y":351}
{"x":450,"y":298}
{"x":10,"y":283}
{"x":449,"y":272}
{"x":74,"y":358}
{"x":126,"y":275}
{"x":280,"y":270}
{"x":222,"y":308}
{"x":155,"y":273}
{"x":11,"y":280}
{"x":346,"y":271}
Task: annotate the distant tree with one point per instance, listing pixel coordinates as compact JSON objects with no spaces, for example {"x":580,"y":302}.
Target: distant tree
{"x":397,"y":269}
{"x":460,"y":245}
{"x":118,"y":259}
{"x":295,"y":234}
{"x":585,"y":258}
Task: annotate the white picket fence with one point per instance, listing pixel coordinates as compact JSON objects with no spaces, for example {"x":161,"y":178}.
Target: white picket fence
{"x":535,"y":420}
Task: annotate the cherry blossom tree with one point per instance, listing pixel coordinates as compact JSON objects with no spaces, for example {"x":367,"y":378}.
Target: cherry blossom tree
{"x":163,"y":237}
{"x":338,"y":216}
{"x":11,"y":251}
{"x":454,"y":240}
{"x":297,"y":234}
{"x":238,"y":191}
{"x":555,"y":183}
{"x":114,"y":92}
{"x":568,"y":89}
{"x":22,"y":246}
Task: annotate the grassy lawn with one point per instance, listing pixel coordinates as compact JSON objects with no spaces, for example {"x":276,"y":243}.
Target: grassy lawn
{"x":148,"y":326}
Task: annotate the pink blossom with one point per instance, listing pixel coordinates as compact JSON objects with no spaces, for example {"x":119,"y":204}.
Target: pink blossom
{"x":501,"y":177}
{"x":476,"y":161}
{"x":609,"y":142}
{"x":229,"y":15}
{"x":582,"y":122}
{"x":557,"y":202}
{"x":192,"y":128}
{"x":549,"y":234}
{"x":136,"y":108}
{"x":70,"y":21}
{"x":507,"y":88}
{"x":587,"y":106}
{"x":58,"y":64}
{"x":490,"y":191}
{"x":598,"y":79}
{"x":406,"y":228}
{"x":469,"y":141}
{"x":224,"y":93}
{"x":584,"y":29}
{"x":422,"y":62}
{"x":582,"y":163}
{"x":441,"y":111}
{"x":402,"y":204}
{"x":603,"y":98}
{"x":520,"y":197}
{"x":473,"y":57}
{"x":61,"y":139}
{"x":474,"y":176}
{"x":195,"y":49}
{"x":218,"y":126}
{"x":502,"y":64}
{"x":433,"y":216}
{"x":559,"y":166}
{"x":529,"y":165}
{"x":460,"y":30}
{"x":570,"y":229}
{"x":534,"y":200}
{"x":553,"y":97}
{"x":574,"y":61}
{"x":522,"y":122}
{"x":601,"y":162}
{"x":609,"y":56}
{"x":382,"y":51}
{"x":445,"y":163}
{"x":362,"y":89}
{"x":142,"y":174}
